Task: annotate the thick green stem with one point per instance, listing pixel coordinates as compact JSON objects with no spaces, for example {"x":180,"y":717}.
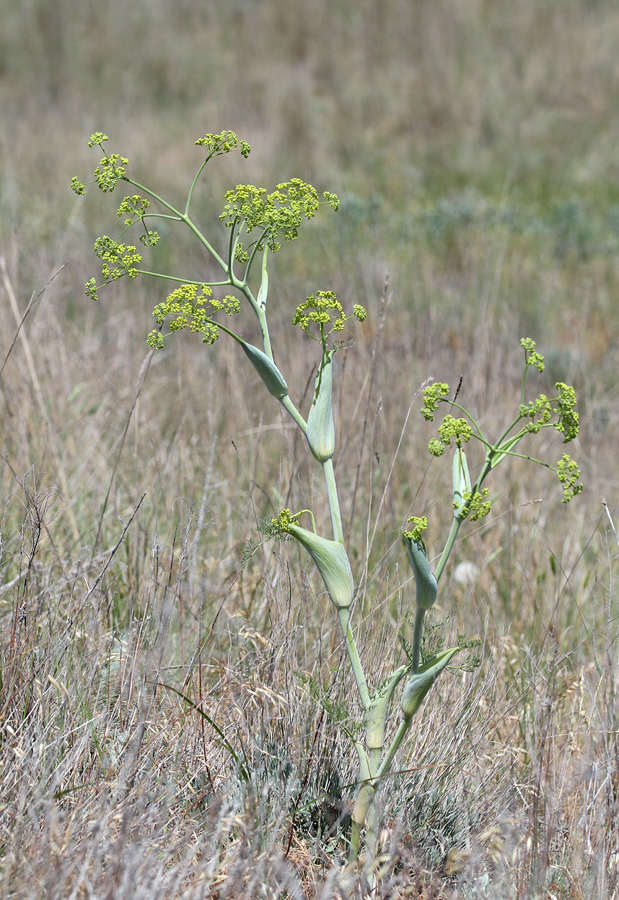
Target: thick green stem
{"x":294,"y":412}
{"x":374,"y":756}
{"x":334,"y":503}
{"x":371,"y":839}
{"x":393,"y":748}
{"x":262,"y":321}
{"x":344,"y":614}
{"x":417,"y":634}
{"x":355,"y":840}
{"x":451,"y":540}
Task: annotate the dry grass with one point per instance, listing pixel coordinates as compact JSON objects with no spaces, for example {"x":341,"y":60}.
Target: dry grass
{"x":473,"y":146}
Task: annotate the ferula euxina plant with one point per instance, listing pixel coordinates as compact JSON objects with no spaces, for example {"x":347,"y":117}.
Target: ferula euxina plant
{"x":257,"y":221}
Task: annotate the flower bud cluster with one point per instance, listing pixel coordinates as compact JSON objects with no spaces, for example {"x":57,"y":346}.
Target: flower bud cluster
{"x":193,"y":310}
{"x":226,"y":142}
{"x":324,"y":309}
{"x":279,"y":213}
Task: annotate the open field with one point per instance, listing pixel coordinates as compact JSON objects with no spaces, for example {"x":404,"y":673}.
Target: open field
{"x":163,"y":724}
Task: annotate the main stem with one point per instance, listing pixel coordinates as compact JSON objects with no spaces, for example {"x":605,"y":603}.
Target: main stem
{"x":417,"y":635}
{"x":353,"y":656}
{"x":451,"y":540}
{"x":344,"y":614}
{"x":334,"y":503}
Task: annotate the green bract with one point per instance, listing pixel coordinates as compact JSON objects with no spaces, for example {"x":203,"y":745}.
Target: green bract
{"x":425,"y":582}
{"x":461,"y":483}
{"x":273,"y":379}
{"x":420,"y":682}
{"x":366,"y":793}
{"x":331,"y":561}
{"x":376,"y":715}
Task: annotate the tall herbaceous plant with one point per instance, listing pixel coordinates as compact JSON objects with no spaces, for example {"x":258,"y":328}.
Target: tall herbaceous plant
{"x":257,"y":220}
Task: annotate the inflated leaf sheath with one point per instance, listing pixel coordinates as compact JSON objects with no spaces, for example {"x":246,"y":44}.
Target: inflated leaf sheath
{"x":320,"y":429}
{"x":461,"y":481}
{"x":332,"y":562}
{"x":268,"y":371}
{"x":420,"y":683}
{"x":425,"y":582}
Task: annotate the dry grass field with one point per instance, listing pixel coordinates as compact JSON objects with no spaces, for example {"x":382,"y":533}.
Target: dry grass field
{"x":164,"y":710}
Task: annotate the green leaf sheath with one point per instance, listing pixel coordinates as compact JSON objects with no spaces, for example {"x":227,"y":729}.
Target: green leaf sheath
{"x":320,"y":428}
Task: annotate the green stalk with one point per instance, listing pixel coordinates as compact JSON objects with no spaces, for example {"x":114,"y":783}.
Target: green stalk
{"x":193,"y":184}
{"x":262,"y":321}
{"x":420,"y":615}
{"x":289,"y":406}
{"x":234,"y":239}
{"x":181,"y":280}
{"x":353,"y":656}
{"x":183,"y":217}
{"x":451,"y":540}
{"x":355,"y":841}
{"x":393,"y":748}
{"x":365,"y":799}
{"x":254,"y":251}
{"x":334,"y":503}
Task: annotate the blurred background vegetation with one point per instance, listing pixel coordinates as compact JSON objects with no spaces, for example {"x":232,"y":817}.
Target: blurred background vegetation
{"x":473,"y":146}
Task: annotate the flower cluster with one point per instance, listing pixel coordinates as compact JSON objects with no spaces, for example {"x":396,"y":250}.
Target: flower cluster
{"x":278,"y":213}
{"x":432,"y":396}
{"x":149,"y":239}
{"x":569,"y":473}
{"x":134,"y":208}
{"x":78,"y":187}
{"x":568,"y":419}
{"x":538,"y":410}
{"x":226,"y":142}
{"x":475,"y":504}
{"x":457,"y":429}
{"x":420,"y":524}
{"x":542,"y":412}
{"x":541,"y":409}
{"x":192,"y":310}
{"x":110,"y":170}
{"x":283,"y":522}
{"x":97,"y":139}
{"x":324,"y":309}
{"x":118,"y":260}
{"x":532,"y":357}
